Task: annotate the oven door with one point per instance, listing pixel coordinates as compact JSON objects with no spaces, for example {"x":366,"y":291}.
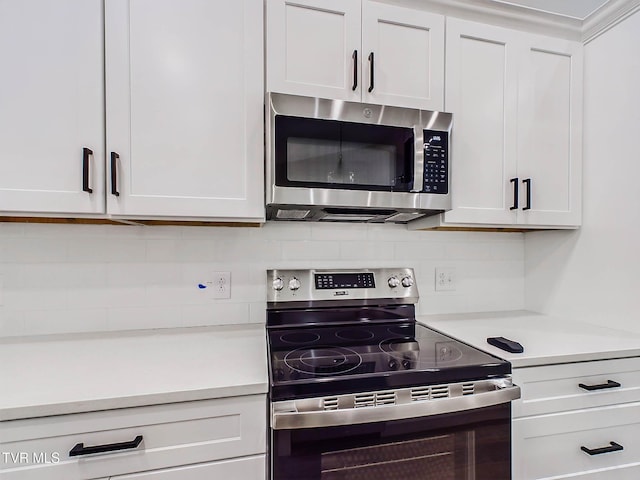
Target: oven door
{"x":465,"y":444}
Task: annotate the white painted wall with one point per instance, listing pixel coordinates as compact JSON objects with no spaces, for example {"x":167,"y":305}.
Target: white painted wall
{"x":594,"y":274}
{"x":79,"y":278}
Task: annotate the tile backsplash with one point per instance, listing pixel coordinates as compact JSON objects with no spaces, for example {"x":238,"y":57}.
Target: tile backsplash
{"x":85,"y":278}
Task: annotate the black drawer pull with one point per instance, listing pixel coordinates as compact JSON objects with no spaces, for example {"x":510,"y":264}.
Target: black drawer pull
{"x":602,"y":386}
{"x":614,"y":447}
{"x":80,"y":449}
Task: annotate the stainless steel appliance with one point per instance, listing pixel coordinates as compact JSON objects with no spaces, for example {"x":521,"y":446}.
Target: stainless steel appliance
{"x":360,"y":390}
{"x":331,"y":160}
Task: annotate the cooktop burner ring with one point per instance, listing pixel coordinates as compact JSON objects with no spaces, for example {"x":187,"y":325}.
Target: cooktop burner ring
{"x":355,"y":334}
{"x":299,"y":338}
{"x":311,"y":361}
{"x":444,"y":353}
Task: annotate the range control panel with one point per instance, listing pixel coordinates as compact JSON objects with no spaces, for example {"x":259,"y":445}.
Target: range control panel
{"x":353,"y":285}
{"x":436,"y":162}
{"x":328,"y":281}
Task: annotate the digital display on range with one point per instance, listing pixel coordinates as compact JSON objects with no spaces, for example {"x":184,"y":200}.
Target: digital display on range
{"x":329,"y":281}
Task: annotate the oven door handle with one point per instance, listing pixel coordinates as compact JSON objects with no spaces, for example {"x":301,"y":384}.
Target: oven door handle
{"x":290,"y":420}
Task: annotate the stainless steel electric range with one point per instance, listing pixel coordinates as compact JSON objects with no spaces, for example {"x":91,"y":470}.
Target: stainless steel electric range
{"x":360,"y":390}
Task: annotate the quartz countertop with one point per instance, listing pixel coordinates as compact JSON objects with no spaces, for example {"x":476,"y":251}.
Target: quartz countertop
{"x":53,"y":375}
{"x":546,"y":339}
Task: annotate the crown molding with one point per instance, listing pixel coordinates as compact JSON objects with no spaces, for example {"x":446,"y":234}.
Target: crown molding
{"x":527,"y":19}
{"x":607,"y":17}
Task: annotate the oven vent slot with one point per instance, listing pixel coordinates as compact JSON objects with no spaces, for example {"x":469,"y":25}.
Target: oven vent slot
{"x":386,"y":398}
{"x":468,"y":389}
{"x":439,"y":391}
{"x":429,"y":393}
{"x":420,"y":393}
{"x":330,"y":403}
{"x":364,"y":400}
{"x":374,"y":399}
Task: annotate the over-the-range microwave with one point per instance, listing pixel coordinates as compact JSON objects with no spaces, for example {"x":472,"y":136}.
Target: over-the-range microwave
{"x":332,"y":160}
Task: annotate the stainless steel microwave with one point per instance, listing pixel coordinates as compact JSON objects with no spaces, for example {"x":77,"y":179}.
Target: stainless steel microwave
{"x":331,"y":160}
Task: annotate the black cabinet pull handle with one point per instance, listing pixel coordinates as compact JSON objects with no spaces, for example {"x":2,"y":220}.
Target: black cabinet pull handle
{"x":527,"y":182}
{"x":355,"y":70}
{"x":614,"y":447}
{"x":114,"y":174}
{"x":515,"y":193}
{"x":602,"y":386}
{"x":371,"y":84}
{"x":80,"y":449}
{"x":86,"y":153}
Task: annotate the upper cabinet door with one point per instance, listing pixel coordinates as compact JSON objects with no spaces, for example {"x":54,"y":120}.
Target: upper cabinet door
{"x":550,"y":132}
{"x":51,"y":106}
{"x":402,"y":57}
{"x":313,"y":48}
{"x":184,"y":88}
{"x":481,"y":92}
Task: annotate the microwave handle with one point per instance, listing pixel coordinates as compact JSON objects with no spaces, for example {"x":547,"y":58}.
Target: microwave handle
{"x":418,"y":162}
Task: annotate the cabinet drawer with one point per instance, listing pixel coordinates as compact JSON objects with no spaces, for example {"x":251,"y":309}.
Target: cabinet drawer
{"x":556,"y":388}
{"x":172,"y":434}
{"x":549,"y":446}
{"x":248,"y":468}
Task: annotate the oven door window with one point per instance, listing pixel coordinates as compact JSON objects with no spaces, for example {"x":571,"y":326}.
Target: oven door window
{"x":471,"y":445}
{"x":318,"y":153}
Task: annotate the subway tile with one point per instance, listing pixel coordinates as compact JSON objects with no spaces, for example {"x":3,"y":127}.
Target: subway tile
{"x":366,"y":250}
{"x":139,"y":318}
{"x":410,"y":252}
{"x":220,"y":314}
{"x":333,"y":232}
{"x":35,"y":250}
{"x":310,"y":250}
{"x":53,"y":321}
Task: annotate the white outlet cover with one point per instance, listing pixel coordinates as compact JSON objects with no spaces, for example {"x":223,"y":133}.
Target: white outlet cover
{"x":220,"y":287}
{"x":446,"y":279}
{"x":1,"y":289}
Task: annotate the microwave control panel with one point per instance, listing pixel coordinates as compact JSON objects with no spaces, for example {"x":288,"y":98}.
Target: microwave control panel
{"x":436,"y":162}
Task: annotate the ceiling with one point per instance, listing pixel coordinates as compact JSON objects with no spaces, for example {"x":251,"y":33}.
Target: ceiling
{"x":578,"y":9}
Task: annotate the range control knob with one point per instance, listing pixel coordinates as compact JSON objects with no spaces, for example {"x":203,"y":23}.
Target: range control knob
{"x":393,"y":282}
{"x":393,"y":365}
{"x":294,"y":284}
{"x":278,"y":284}
{"x":407,"y":281}
{"x":406,"y":364}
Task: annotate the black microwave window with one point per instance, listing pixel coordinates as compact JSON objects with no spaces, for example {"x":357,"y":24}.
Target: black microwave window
{"x":319,"y":153}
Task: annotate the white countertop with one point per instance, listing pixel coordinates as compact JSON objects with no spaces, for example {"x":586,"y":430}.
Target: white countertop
{"x":546,"y":339}
{"x":53,"y":375}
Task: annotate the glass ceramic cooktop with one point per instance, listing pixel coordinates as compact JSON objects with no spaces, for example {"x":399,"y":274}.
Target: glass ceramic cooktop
{"x":329,"y":360}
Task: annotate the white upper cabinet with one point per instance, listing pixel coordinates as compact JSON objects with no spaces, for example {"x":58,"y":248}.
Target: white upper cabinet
{"x":550,"y":132}
{"x":184,"y":108}
{"x":516,"y":100}
{"x":402,"y":57}
{"x":51,"y":106}
{"x":356,"y":50}
{"x":184,"y":116}
{"x":313,"y":48}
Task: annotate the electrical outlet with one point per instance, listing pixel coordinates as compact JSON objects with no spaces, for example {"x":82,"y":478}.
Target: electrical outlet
{"x":220,"y":287}
{"x":1,"y":288}
{"x":446,"y":279}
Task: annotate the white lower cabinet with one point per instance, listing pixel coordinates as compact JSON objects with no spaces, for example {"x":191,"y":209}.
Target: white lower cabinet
{"x":186,"y":440}
{"x":249,"y":468}
{"x":578,"y":420}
